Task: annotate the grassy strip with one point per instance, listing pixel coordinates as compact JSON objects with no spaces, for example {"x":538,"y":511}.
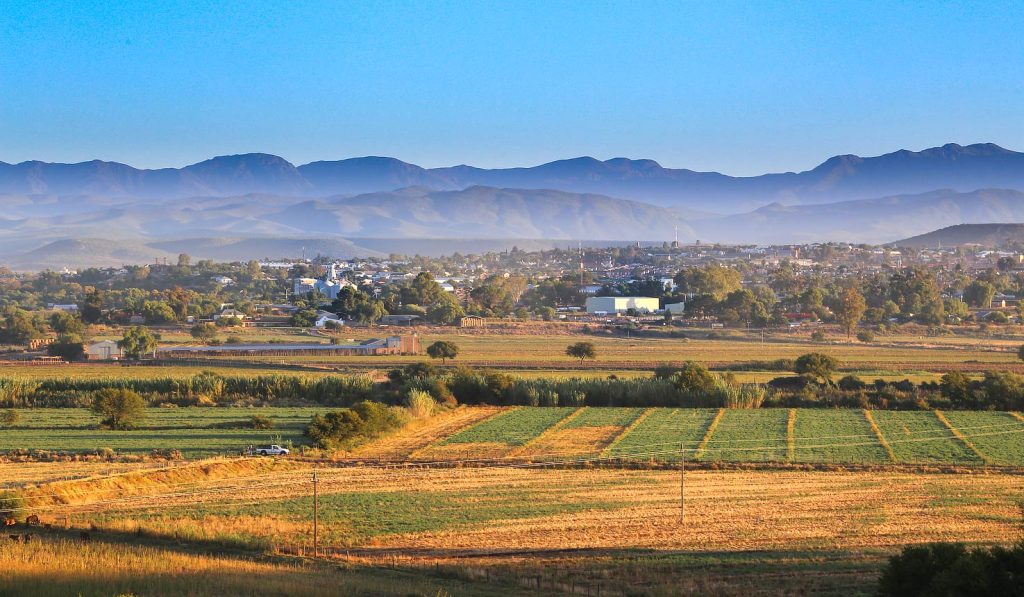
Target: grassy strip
{"x":626,"y":431}
{"x":836,"y":436}
{"x":699,"y":452}
{"x":605,"y":416}
{"x":1000,"y":435}
{"x":881,"y":437}
{"x":442,"y":440}
{"x":547,"y":432}
{"x":514,"y":427}
{"x":919,"y":437}
{"x":962,"y":437}
{"x":790,"y":444}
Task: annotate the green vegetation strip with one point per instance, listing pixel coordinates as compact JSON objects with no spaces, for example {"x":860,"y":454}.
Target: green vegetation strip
{"x":350,"y":518}
{"x":603,"y":417}
{"x":998,"y":435}
{"x":836,"y":436}
{"x":196,"y":432}
{"x":658,"y":434}
{"x":708,"y":433}
{"x":920,"y":437}
{"x":514,"y":428}
{"x":749,"y":435}
{"x":878,"y":433}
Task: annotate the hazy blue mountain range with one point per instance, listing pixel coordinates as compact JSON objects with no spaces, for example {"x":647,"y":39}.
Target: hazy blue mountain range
{"x":417,"y":219}
{"x":847,"y":177}
{"x":987,"y":235}
{"x":873,"y":221}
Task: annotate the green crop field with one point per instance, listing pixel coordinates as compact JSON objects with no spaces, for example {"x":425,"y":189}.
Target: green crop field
{"x":749,"y":436}
{"x":659,"y":433}
{"x":920,"y":437}
{"x":818,"y":436}
{"x":835,"y":436}
{"x":514,"y":428}
{"x":998,"y":435}
{"x":193,"y":431}
{"x":602,"y":417}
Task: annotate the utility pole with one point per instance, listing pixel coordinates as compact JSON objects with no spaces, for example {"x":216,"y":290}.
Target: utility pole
{"x":682,"y":483}
{"x":316,"y":516}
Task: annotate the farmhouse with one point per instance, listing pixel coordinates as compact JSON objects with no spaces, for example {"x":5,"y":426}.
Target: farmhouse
{"x":620,"y":304}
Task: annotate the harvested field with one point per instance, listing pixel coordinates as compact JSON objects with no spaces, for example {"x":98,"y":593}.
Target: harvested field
{"x":522,"y":521}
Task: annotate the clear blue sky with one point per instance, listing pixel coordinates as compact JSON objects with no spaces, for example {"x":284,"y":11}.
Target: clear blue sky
{"x":740,"y":87}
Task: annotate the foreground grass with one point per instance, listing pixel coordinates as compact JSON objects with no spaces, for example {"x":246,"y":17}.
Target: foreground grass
{"x":55,"y":567}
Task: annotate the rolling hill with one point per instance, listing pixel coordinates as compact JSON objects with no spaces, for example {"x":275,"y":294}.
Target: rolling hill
{"x":986,"y":235}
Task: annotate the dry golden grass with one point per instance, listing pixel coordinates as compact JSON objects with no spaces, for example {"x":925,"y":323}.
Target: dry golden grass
{"x":578,"y":441}
{"x":142,"y":482}
{"x":422,"y":433}
{"x":16,"y":474}
{"x":53,"y":566}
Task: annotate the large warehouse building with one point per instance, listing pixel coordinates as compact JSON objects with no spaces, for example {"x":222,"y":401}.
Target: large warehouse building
{"x":620,"y":304}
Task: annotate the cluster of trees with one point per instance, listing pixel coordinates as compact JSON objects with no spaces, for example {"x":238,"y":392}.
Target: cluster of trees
{"x":348,"y":427}
{"x":953,"y":569}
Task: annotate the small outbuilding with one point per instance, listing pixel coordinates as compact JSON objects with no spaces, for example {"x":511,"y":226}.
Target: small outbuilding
{"x":104,"y":350}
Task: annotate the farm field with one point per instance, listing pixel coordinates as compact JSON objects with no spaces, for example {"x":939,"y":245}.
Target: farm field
{"x":827,"y":436}
{"x":192,"y":430}
{"x":543,"y":347}
{"x":815,"y":532}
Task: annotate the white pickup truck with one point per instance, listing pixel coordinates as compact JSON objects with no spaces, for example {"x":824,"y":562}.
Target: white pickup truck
{"x":272,"y":450}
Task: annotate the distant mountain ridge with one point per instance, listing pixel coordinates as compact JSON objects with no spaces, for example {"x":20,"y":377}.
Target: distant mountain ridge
{"x":986,"y":235}
{"x":840,"y":178}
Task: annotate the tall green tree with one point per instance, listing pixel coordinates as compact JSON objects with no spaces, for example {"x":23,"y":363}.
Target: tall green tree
{"x":137,"y":342}
{"x":444,"y":350}
{"x":582,"y":351}
{"x":850,"y":309}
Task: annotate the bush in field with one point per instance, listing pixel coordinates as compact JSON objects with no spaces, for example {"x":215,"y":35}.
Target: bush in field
{"x":420,"y":404}
{"x":865,"y":336}
{"x":204,"y":332}
{"x":694,"y":378}
{"x":232,"y":339}
{"x":816,"y":366}
{"x":665,"y":371}
{"x":818,"y":336}
{"x":953,"y":569}
{"x":348,"y":427}
{"x":8,"y":417}
{"x":261,"y":422}
{"x":68,"y":347}
{"x":851,"y":383}
{"x":582,"y":351}
{"x":120,"y":409}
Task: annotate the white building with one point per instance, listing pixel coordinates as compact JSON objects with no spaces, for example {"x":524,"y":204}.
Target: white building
{"x":675,"y":308}
{"x":103,"y":350}
{"x":620,"y":304}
